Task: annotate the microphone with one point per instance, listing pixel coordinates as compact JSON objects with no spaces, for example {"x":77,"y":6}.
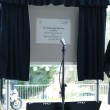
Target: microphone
{"x":63,"y":42}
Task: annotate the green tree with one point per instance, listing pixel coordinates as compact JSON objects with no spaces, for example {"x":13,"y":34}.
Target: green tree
{"x":41,"y":76}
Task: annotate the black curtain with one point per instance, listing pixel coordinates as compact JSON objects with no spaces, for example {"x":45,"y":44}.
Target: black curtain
{"x":15,"y":37}
{"x":91,"y":41}
{"x":14,"y":42}
{"x":107,"y":60}
{"x":107,"y":67}
{"x":61,"y":2}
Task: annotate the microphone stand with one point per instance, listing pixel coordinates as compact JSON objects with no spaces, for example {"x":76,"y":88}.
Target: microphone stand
{"x":63,"y":84}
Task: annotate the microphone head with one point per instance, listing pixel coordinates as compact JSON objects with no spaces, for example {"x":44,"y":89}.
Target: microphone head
{"x":63,"y":41}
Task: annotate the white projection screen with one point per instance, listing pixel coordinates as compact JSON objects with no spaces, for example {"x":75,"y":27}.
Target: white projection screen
{"x":51,"y":53}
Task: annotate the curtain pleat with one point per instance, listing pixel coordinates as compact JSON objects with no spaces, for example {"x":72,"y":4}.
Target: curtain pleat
{"x":91,"y":41}
{"x":14,"y":42}
{"x":60,"y":2}
{"x":107,"y":60}
{"x":3,"y":47}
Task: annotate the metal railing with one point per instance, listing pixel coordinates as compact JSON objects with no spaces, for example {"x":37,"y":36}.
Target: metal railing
{"x":30,"y":91}
{"x":52,"y":91}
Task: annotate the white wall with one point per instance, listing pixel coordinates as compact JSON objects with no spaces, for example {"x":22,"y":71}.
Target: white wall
{"x":52,"y":53}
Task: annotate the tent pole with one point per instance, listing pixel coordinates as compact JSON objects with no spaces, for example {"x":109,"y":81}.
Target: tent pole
{"x":97,"y":90}
{"x":7,"y":95}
